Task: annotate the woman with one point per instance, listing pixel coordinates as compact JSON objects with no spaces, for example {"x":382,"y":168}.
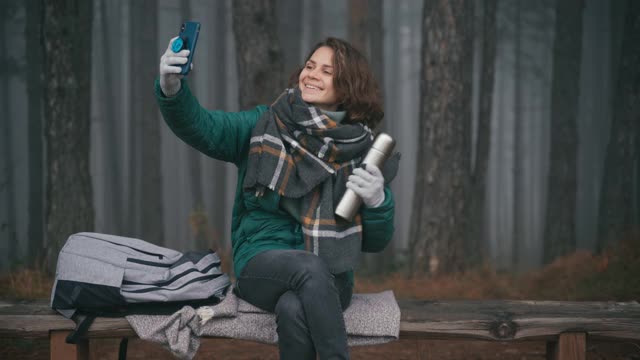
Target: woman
{"x":295,"y":158}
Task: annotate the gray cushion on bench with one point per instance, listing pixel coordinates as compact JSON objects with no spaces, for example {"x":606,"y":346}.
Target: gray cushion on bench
{"x":370,"y":319}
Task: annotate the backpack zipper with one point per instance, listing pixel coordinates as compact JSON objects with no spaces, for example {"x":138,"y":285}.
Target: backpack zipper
{"x":159,"y":256}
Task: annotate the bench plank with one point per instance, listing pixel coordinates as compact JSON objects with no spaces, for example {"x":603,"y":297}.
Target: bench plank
{"x":38,"y":326}
{"x":518,"y":320}
{"x":483,"y":320}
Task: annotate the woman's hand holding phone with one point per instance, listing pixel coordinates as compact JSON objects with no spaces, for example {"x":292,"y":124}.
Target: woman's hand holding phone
{"x":170,"y":70}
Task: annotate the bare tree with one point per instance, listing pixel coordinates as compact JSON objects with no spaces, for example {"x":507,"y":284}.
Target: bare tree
{"x":442,"y":185}
{"x":259,"y":55}
{"x":623,"y":152}
{"x":67,"y":67}
{"x":559,"y":233}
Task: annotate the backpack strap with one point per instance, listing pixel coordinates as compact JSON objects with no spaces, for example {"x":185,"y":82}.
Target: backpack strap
{"x":83,"y":322}
{"x":122,"y":352}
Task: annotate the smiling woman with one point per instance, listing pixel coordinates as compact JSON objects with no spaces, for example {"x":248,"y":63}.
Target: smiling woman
{"x":316,"y":80}
{"x":291,"y":255}
{"x":334,"y":68}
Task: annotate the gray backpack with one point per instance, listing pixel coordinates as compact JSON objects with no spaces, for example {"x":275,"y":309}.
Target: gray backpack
{"x":107,"y":275}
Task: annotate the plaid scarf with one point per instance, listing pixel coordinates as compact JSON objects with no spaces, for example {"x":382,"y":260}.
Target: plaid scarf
{"x":306,"y":157}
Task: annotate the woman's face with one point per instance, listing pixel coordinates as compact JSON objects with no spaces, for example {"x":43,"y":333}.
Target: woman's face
{"x":316,"y":80}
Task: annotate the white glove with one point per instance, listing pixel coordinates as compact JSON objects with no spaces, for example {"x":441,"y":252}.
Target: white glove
{"x":170,"y":73}
{"x":368,"y":183}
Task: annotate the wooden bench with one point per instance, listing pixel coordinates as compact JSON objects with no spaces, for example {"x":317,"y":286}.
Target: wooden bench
{"x":565,"y":326}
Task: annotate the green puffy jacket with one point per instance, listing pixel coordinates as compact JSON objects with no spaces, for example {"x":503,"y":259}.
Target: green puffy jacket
{"x":258,"y":224}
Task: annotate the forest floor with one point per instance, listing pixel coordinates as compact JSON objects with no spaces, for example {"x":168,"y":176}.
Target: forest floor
{"x":610,"y":275}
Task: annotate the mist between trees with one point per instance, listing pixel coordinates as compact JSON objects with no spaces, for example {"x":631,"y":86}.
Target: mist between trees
{"x":517,"y":121}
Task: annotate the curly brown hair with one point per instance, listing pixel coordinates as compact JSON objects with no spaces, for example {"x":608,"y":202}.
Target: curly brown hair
{"x":354,"y":82}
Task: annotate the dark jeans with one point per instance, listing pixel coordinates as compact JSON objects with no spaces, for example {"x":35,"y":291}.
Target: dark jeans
{"x":307,"y":299}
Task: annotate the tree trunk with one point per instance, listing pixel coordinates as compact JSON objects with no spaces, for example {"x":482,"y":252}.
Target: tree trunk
{"x":375,"y":27}
{"x":559,"y":233}
{"x":358,"y":29}
{"x":7,"y":184}
{"x":616,"y":205}
{"x":316,"y":22}
{"x":376,"y":40}
{"x":112,"y":154}
{"x":442,"y":187}
{"x":198,"y":217}
{"x":476,"y":239}
{"x":144,"y":53}
{"x":290,"y":31}
{"x":260,"y":64}
{"x":67,"y":68}
{"x":359,"y":37}
{"x":218,"y":75}
{"x":132,"y":219}
{"x":366,"y":34}
{"x":35,"y":227}
{"x":518,"y":147}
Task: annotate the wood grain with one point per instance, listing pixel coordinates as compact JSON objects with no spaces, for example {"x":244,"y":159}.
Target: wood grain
{"x":571,"y":346}
{"x":61,"y":350}
{"x":483,"y":320}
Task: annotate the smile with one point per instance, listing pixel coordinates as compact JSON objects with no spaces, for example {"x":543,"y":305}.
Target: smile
{"x":311,"y":87}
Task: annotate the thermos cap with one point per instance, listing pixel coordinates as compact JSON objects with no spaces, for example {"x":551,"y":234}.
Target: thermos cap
{"x":384,"y":143}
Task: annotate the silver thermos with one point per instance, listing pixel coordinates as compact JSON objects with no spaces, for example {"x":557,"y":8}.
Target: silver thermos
{"x":377,"y":155}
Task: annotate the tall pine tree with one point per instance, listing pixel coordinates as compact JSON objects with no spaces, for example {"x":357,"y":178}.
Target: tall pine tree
{"x":260,"y":64}
{"x":623,"y":152}
{"x":443,"y":179}
{"x":559,"y":235}
{"x":67,"y":68}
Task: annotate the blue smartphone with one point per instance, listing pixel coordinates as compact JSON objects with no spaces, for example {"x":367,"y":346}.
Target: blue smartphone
{"x":187,"y":39}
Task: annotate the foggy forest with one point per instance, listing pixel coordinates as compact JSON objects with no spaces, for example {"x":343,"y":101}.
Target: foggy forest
{"x":517,"y":122}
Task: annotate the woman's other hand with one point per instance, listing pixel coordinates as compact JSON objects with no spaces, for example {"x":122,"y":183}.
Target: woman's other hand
{"x":170,"y":71}
{"x":368,"y":183}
